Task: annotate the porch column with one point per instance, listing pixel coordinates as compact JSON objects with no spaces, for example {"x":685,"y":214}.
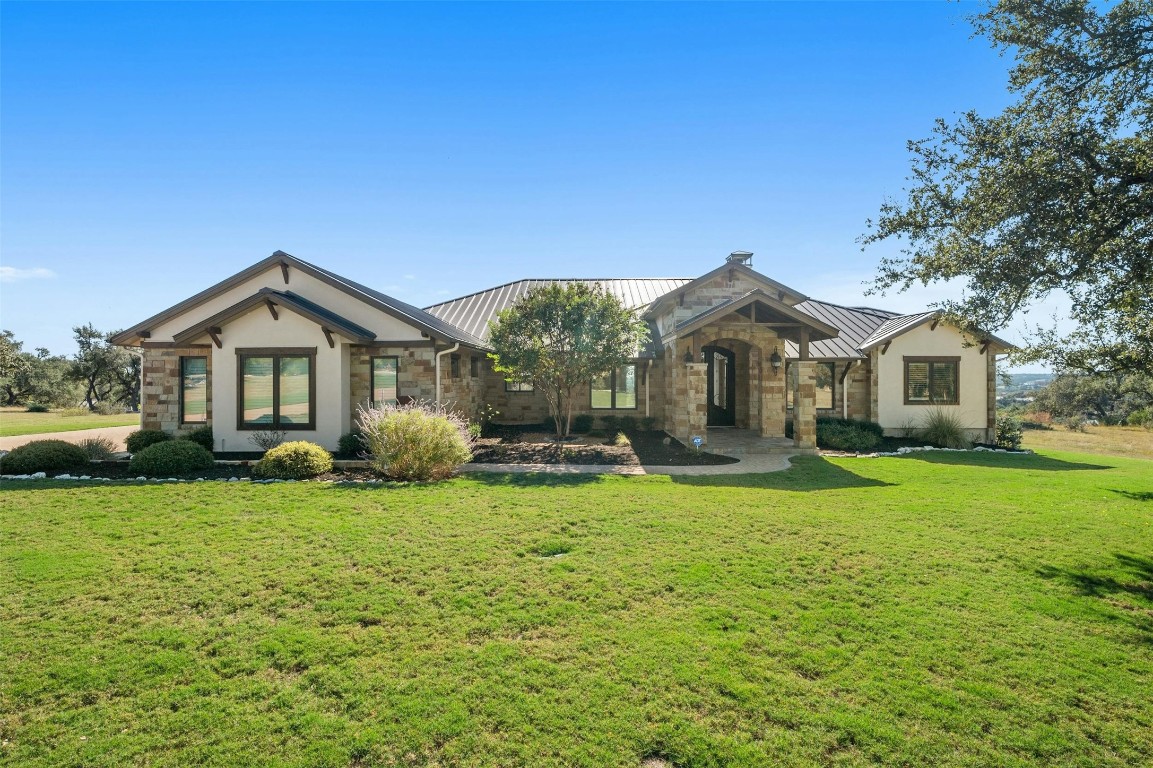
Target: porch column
{"x":696,"y":403}
{"x":804,"y":403}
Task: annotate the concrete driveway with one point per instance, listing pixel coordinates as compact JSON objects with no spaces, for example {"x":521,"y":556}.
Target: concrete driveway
{"x":115,"y":434}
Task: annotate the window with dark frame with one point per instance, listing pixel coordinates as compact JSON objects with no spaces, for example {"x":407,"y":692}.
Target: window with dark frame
{"x":932,"y":380}
{"x":385,"y":381}
{"x":454,"y":366}
{"x":474,"y":366}
{"x":276,"y":389}
{"x":615,"y":390}
{"x":517,"y":386}
{"x":826,"y":386}
{"x":194,"y":390}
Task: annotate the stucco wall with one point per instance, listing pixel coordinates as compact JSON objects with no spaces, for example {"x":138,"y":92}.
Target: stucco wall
{"x":945,"y":341}
{"x":257,"y":329}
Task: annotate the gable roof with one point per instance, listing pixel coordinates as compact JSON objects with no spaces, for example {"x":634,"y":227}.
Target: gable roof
{"x":771,"y":286}
{"x":855,"y":324}
{"x":901,"y":324}
{"x":427,"y":323}
{"x":473,"y":312}
{"x":753,"y":297}
{"x":322,"y":316}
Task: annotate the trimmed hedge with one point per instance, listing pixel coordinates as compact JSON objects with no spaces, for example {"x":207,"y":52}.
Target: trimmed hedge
{"x":43,"y":456}
{"x":844,"y":437}
{"x":142,"y":438}
{"x":171,"y":457}
{"x":202,"y":436}
{"x":293,"y":461}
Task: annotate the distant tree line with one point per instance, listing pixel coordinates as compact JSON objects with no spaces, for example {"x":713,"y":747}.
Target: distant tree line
{"x":98,"y":376}
{"x":1106,"y":398}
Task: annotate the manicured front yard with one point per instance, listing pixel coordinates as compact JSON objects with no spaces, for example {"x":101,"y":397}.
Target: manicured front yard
{"x":938,"y":609}
{"x":16,"y":421}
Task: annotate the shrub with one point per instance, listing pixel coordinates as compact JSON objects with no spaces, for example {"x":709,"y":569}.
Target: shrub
{"x":98,"y":448}
{"x":1075,"y":424}
{"x":171,"y":457}
{"x":622,"y":440}
{"x":474,"y":430}
{"x":107,"y":409}
{"x":293,"y":461}
{"x":142,"y":438}
{"x":629,"y":423}
{"x":202,"y":436}
{"x":1142,"y":417}
{"x":36,"y":408}
{"x":865,"y":426}
{"x":582,"y":423}
{"x":838,"y":436}
{"x":350,"y":444}
{"x":1008,"y":432}
{"x":610,"y":425}
{"x":267,"y":439}
{"x":648,"y":423}
{"x":43,"y":456}
{"x":944,"y":429}
{"x":416,"y":441}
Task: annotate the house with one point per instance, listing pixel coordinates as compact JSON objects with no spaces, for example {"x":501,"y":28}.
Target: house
{"x":290,"y":346}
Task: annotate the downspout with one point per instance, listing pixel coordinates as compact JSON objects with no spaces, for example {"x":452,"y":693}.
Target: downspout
{"x":648,"y":373}
{"x":439,"y":355}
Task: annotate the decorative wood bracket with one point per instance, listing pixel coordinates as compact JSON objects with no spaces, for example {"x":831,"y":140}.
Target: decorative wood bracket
{"x":271,"y":308}
{"x":214,"y":334}
{"x":984,"y":346}
{"x":936,"y":322}
{"x":845,"y":373}
{"x":284,"y":271}
{"x":146,"y":334}
{"x":328,"y":335}
{"x":885,"y":348}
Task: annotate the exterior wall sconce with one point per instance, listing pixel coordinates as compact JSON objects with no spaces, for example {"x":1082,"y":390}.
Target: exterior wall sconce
{"x":775,"y":361}
{"x":688,"y":357}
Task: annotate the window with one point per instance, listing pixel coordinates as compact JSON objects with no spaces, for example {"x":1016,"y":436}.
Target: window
{"x":454,"y":366}
{"x":932,"y":380}
{"x":616,"y":389}
{"x":474,"y":366}
{"x":517,"y":386}
{"x":384,"y":380}
{"x":826,"y":386}
{"x":194,"y":390}
{"x":277,"y":389}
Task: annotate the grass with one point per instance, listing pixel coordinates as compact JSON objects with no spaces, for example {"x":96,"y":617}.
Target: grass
{"x":16,"y":421}
{"x":1133,"y":442}
{"x":938,"y":609}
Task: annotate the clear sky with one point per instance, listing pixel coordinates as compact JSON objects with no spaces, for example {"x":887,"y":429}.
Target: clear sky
{"x":432,"y":150}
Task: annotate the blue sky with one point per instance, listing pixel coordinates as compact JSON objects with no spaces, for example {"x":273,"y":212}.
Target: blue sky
{"x":150,"y":150}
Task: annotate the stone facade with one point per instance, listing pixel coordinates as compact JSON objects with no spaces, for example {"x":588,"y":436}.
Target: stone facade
{"x":857,"y":383}
{"x":160,"y":389}
{"x":804,"y":382}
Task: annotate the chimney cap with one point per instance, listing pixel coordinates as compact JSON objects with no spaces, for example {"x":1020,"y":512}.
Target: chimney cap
{"x":740,"y":257}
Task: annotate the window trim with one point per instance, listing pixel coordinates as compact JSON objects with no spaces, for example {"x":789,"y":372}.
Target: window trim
{"x":519,"y":387}
{"x":833,"y":382}
{"x":183,"y":421}
{"x":954,"y":361}
{"x":613,"y":391}
{"x":275,"y":353}
{"x":473,"y":367}
{"x":372,"y":377}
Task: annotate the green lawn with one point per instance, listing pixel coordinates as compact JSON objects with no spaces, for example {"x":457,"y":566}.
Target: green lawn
{"x":939,"y":609}
{"x":16,"y":421}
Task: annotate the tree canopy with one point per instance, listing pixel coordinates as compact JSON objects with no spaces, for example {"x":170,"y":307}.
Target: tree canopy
{"x":558,"y":337}
{"x":1055,"y":194}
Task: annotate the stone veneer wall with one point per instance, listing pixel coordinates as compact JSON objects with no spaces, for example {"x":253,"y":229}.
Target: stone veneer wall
{"x":464,"y":393}
{"x":805,"y":404}
{"x":874,"y":366}
{"x":415,"y":367}
{"x":160,"y":391}
{"x":857,"y":383}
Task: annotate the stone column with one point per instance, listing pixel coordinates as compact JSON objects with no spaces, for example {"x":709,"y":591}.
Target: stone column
{"x":696,"y":403}
{"x":773,"y":385}
{"x":804,"y":404}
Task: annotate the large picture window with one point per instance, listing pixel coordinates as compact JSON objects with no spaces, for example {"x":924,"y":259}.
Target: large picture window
{"x":385,"y":372}
{"x":932,"y":380}
{"x":826,"y":386}
{"x":616,"y":389}
{"x":194,"y":390}
{"x":277,"y":389}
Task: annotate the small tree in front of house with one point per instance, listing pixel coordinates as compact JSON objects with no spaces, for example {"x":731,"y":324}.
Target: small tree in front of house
{"x":559,"y":337}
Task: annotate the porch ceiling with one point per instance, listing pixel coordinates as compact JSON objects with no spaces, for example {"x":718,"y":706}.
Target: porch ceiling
{"x":759,"y":309}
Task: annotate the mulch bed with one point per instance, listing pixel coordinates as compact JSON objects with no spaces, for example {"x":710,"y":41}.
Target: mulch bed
{"x":518,"y":446}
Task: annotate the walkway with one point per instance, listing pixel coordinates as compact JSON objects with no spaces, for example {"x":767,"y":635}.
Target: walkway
{"x":115,"y":434}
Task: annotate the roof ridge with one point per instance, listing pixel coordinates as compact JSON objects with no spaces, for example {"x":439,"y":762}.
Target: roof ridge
{"x":546,"y":280}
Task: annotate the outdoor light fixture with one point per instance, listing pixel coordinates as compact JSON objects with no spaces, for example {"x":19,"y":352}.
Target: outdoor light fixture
{"x":688,"y":357}
{"x":775,"y":361}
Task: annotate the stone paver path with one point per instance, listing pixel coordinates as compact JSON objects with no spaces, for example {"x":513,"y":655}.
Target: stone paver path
{"x":115,"y":434}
